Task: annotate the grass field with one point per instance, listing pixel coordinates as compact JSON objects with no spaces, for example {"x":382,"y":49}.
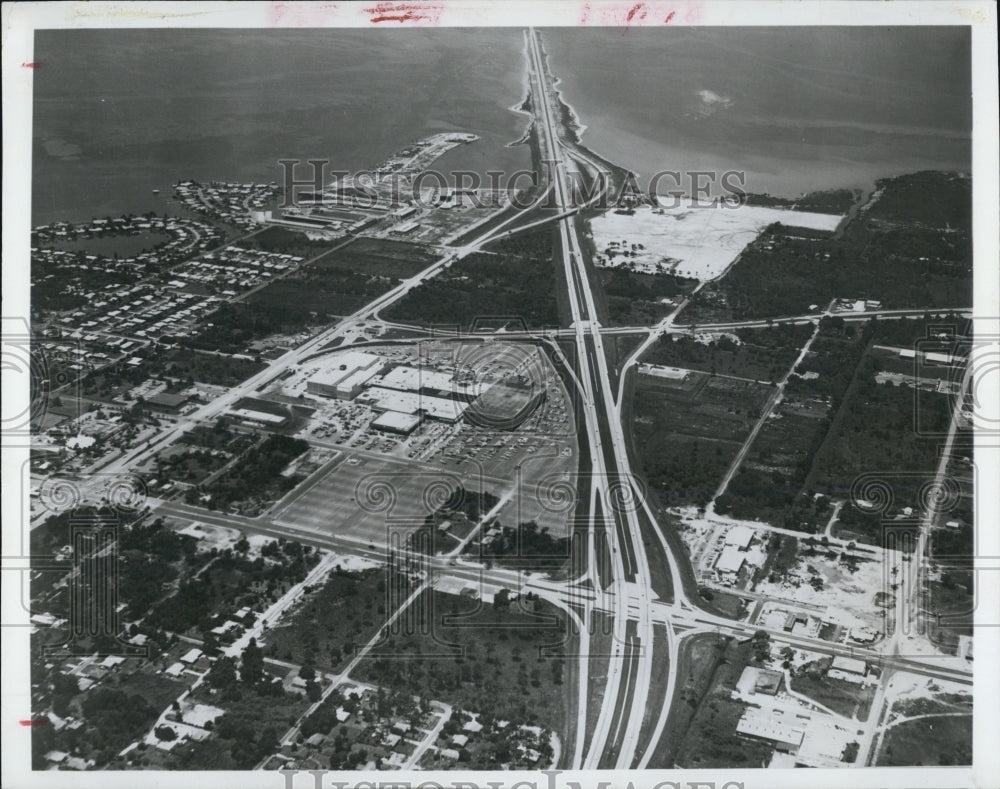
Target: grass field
{"x":711,"y":740}
{"x":658,"y":687}
{"x":839,"y":695}
{"x":601,"y":650}
{"x":698,"y":659}
{"x":940,"y":740}
{"x":376,"y":257}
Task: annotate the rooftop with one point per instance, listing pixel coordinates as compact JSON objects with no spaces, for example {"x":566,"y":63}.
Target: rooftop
{"x":730,"y":560}
{"x":740,"y":536}
{"x":772,"y":725}
{"x":850,"y":665}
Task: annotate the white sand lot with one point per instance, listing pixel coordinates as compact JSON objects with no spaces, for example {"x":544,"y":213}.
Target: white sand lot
{"x":698,"y":242}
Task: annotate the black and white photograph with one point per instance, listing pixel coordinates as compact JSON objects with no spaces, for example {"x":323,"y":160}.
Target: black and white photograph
{"x":560,"y":396}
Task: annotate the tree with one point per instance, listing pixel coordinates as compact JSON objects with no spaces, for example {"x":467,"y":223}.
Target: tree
{"x":761,"y":645}
{"x":222,"y":675}
{"x":252,"y":663}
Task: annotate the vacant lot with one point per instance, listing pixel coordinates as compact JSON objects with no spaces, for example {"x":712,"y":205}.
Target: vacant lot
{"x":771,"y":483}
{"x":334,"y":285}
{"x":637,"y":299}
{"x":932,"y":741}
{"x":378,"y":258}
{"x":256,"y":478}
{"x":232,"y":581}
{"x":697,"y":242}
{"x":517,"y":284}
{"x":687,"y":432}
{"x":699,"y":658}
{"x":211,"y":368}
{"x":758,"y":354}
{"x":333,"y":621}
{"x":192,"y":466}
{"x":911,"y":248}
{"x":710,"y":740}
{"x":845,"y":698}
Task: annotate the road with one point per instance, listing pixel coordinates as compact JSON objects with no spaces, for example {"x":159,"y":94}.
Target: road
{"x":617,"y":508}
{"x":136,"y":457}
{"x":576,"y":594}
{"x":615,"y":739}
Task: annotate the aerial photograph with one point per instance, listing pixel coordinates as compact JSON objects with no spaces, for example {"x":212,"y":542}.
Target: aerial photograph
{"x":420,"y":398}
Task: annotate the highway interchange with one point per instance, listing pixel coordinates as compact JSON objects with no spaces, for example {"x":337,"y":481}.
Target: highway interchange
{"x":615,"y":508}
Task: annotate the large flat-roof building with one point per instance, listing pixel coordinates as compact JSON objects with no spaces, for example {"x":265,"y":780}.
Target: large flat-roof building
{"x":849,"y":669}
{"x":167,"y":402}
{"x":382,"y":399}
{"x":784,"y":729}
{"x":729,"y":563}
{"x":429,"y":382}
{"x":396,"y":422}
{"x":346,"y":376}
{"x":740,"y":536}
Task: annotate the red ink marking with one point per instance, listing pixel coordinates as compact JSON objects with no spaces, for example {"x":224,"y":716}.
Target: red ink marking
{"x":669,"y":17}
{"x":585,"y":16}
{"x":405,"y":13}
{"x":638,"y":8}
{"x":29,"y":64}
{"x":35,"y":722}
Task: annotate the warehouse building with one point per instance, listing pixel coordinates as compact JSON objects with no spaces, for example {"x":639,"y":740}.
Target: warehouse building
{"x":740,"y":536}
{"x":784,"y":729}
{"x":729,"y":564}
{"x":849,"y":669}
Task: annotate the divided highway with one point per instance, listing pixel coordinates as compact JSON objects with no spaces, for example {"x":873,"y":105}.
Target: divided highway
{"x":615,"y":739}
